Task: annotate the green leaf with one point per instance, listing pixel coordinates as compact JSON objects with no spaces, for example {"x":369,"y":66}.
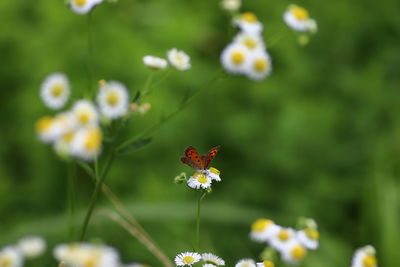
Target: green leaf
{"x":135,"y":146}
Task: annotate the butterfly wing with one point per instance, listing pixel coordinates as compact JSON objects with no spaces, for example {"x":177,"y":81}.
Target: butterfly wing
{"x":206,"y":159}
{"x":193,"y":159}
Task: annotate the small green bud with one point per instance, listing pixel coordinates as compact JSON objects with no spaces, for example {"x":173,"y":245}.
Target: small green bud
{"x":180,"y":178}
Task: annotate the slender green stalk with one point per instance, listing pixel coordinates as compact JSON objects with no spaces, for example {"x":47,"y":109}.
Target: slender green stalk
{"x":147,"y":86}
{"x":71,"y":198}
{"x":198,"y":219}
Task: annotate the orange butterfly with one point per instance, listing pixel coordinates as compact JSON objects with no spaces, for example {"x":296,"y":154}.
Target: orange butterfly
{"x":194,"y":160}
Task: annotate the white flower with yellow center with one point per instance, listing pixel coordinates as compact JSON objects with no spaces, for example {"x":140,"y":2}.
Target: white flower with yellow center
{"x":55,"y":90}
{"x":309,"y":238}
{"x":213,"y":173}
{"x":231,"y":5}
{"x":298,"y":19}
{"x":212,"y":259}
{"x":85,"y":113}
{"x":83,"y":6}
{"x":199,"y":180}
{"x":86,"y":143}
{"x":293,"y":252}
{"x":253,"y":42}
{"x":260,"y":66}
{"x":265,"y":264}
{"x":248,"y":22}
{"x":32,"y":246}
{"x":179,"y":59}
{"x":155,"y":63}
{"x":282,"y":237}
{"x":235,"y":58}
{"x":187,"y":258}
{"x":46,"y":130}
{"x":365,"y":257}
{"x":11,"y":257}
{"x":113,"y":100}
{"x":246,"y":263}
{"x":263,"y":229}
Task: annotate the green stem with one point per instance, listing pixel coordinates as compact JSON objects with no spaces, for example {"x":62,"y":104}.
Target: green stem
{"x":99,"y":183}
{"x":71,"y":197}
{"x":147,"y":89}
{"x":201,"y":196}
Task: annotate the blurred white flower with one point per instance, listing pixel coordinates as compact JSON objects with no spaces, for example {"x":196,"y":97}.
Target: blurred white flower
{"x":263,"y":229}
{"x":209,"y":265}
{"x":155,"y":63}
{"x":113,"y":100}
{"x":85,"y":113}
{"x":86,"y":143}
{"x":212,"y":259}
{"x":308,"y":237}
{"x":83,"y":6}
{"x":235,"y":58}
{"x":265,"y":264}
{"x":11,"y":257}
{"x":187,"y":258}
{"x":282,"y":237}
{"x":365,"y":257}
{"x":45,"y":129}
{"x":179,"y":59}
{"x":55,"y":90}
{"x":292,"y":251}
{"x":231,"y":5}
{"x":248,"y":22}
{"x":246,"y":263}
{"x":199,"y":180}
{"x":260,"y":65}
{"x":298,"y":19}
{"x":32,"y":246}
{"x":253,"y":42}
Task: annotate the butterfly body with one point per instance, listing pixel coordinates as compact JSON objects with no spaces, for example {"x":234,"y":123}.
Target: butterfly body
{"x":196,"y":161}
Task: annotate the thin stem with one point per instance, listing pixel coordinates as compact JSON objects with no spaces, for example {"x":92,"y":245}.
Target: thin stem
{"x":146,"y":88}
{"x":198,"y":219}
{"x":71,"y":197}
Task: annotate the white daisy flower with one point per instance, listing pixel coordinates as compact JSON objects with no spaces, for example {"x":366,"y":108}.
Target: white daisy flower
{"x":260,"y":66}
{"x":179,"y":59}
{"x":235,"y":58}
{"x":113,"y":100}
{"x":199,"y":180}
{"x":298,"y":19}
{"x":155,"y":63}
{"x":86,"y":143}
{"x":246,"y":263}
{"x":83,"y":6}
{"x":263,"y":229}
{"x":248,"y":22}
{"x":32,"y":246}
{"x":11,"y":257}
{"x":213,"y":173}
{"x":265,"y":264}
{"x":231,"y":5}
{"x":282,"y":238}
{"x":187,"y":258}
{"x":213,"y":259}
{"x":253,"y":42}
{"x":45,"y":129}
{"x":55,"y":90}
{"x":365,"y":257}
{"x":293,"y":252}
{"x":309,"y":238}
{"x":85,"y":113}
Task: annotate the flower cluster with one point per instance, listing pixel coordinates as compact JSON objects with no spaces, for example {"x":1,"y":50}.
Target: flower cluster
{"x":177,"y":58}
{"x":365,"y":257}
{"x":290,"y":243}
{"x":202,"y":179}
{"x":190,"y":258}
{"x":29,"y":247}
{"x":77,"y":132}
{"x":247,"y":54}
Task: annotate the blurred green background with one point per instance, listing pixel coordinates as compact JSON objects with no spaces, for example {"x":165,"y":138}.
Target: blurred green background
{"x":319,"y":138}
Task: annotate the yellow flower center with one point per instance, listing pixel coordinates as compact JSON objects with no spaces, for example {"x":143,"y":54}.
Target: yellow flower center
{"x":214,"y":170}
{"x":284,"y":235}
{"x":298,"y":252}
{"x":260,"y":225}
{"x":6,"y":262}
{"x":80,"y":2}
{"x":201,"y":178}
{"x":369,"y":261}
{"x":249,"y":17}
{"x":93,"y":140}
{"x":57,"y":90}
{"x":260,"y":64}
{"x":68,"y":137}
{"x":84,"y":117}
{"x":250,"y":43}
{"x":44,"y":124}
{"x":268,"y":264}
{"x":112,"y":98}
{"x":237,"y":57}
{"x":312,"y":233}
{"x":188,"y":259}
{"x":300,"y":13}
